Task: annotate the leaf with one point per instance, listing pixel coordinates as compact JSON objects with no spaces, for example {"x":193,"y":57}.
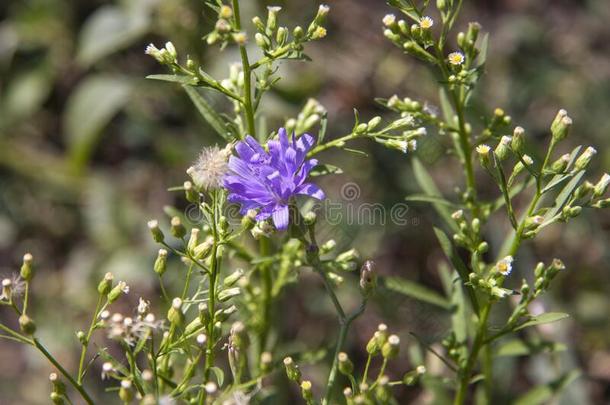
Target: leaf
{"x":425,"y":181}
{"x":432,"y":199}
{"x":548,"y":317}
{"x":208,"y":113}
{"x":182,"y":79}
{"x":483,"y":50}
{"x":112,"y":28}
{"x":356,"y":151}
{"x":517,"y":347}
{"x":446,"y":107}
{"x":220,"y":375}
{"x":25,"y":93}
{"x":417,"y":291}
{"x":563,"y":196}
{"x":457,"y":264}
{"x":323,"y":125}
{"x":559,"y":178}
{"x":89,"y":109}
{"x":542,"y":394}
{"x":324,"y":169}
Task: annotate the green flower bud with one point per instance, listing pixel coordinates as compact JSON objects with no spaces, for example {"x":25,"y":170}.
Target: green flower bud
{"x":177,"y":229}
{"x":156,"y":232}
{"x":483,"y":247}
{"x":115,"y":293}
{"x":539,"y":270}
{"x":373,"y":123}
{"x":233,"y":278}
{"x":58,"y":386}
{"x":503,"y":148}
{"x":281,"y":36}
{"x":266,"y":362}
{"x":82,"y":337}
{"x":203,"y":313}
{"x":161,"y":262}
{"x":602,"y":186}
{"x":345,"y":364}
{"x":125,"y":392}
{"x":272,"y":18}
{"x":368,"y":278}
{"x":105,"y":285}
{"x":298,"y":33}
{"x":373,"y":347}
{"x":292,"y":370}
{"x":473,"y":32}
{"x":190,"y":194}
{"x":390,"y":349}
{"x":57,"y":399}
{"x":258,"y":23}
{"x":518,"y":141}
{"x":561,"y":126}
{"x":203,"y":249}
{"x":262,"y":41}
{"x":27,"y":325}
{"x":27,"y":268}
{"x":226,"y":295}
{"x":175,"y":314}
{"x":413,"y":376}
{"x":561,"y":164}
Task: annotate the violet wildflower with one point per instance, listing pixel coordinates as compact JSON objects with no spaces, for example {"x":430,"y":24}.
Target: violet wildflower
{"x":266,"y":181}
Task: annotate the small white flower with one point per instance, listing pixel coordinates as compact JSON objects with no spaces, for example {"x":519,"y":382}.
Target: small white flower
{"x":456,"y":58}
{"x":483,"y":149}
{"x":505,"y":266}
{"x":426,"y":22}
{"x":389,"y":20}
{"x":107,"y":368}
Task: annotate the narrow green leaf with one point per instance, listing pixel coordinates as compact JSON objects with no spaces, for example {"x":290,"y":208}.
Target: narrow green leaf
{"x":542,"y":394}
{"x":483,"y":50}
{"x":548,"y":317}
{"x":182,"y":79}
{"x":432,"y":199}
{"x":425,"y":181}
{"x":446,"y":107}
{"x":563,"y":196}
{"x":417,"y":291}
{"x":517,"y":347}
{"x":323,"y":125}
{"x":220,"y":375}
{"x":324,"y":169}
{"x":458,"y":265}
{"x":208,"y":113}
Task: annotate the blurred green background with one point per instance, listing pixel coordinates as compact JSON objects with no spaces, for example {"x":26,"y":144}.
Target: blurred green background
{"x":88,"y":148}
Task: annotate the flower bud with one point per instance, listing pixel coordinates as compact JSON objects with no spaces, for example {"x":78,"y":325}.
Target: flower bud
{"x":189,"y":191}
{"x":56,"y":398}
{"x":345,"y":364}
{"x":105,"y":285}
{"x":298,"y":33}
{"x":58,"y":386}
{"x":115,"y":293}
{"x":175,"y":314}
{"x":601,"y":186}
{"x":225,"y":12}
{"x":125,"y":392}
{"x":161,"y":262}
{"x":503,"y":148}
{"x":585,"y":158}
{"x":266,"y":362}
{"x":292,"y":370}
{"x":156,"y":232}
{"x":518,"y":140}
{"x":413,"y":376}
{"x":373,"y":123}
{"x":272,"y":18}
{"x":561,"y":164}
{"x":390,"y":348}
{"x":368,"y":278}
{"x":177,"y":229}
{"x":561,"y":125}
{"x":258,"y":23}
{"x":27,"y":325}
{"x":203,"y":249}
{"x":27,"y":268}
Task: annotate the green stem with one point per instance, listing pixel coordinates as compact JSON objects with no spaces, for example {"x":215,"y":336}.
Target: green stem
{"x":83,"y":352}
{"x":267,"y":289}
{"x":465,"y":373}
{"x":63,"y":371}
{"x":247,"y":75}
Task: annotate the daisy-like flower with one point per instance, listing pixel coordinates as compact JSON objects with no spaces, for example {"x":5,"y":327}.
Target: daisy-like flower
{"x":426,"y":23}
{"x":210,"y":167}
{"x":456,"y":58}
{"x":267,"y":181}
{"x":505,"y":266}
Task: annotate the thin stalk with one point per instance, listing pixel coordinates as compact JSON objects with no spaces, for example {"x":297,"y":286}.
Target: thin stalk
{"x":249,"y":110}
{"x":63,"y":371}
{"x":465,"y":373}
{"x":83,"y":352}
{"x":265,"y":270}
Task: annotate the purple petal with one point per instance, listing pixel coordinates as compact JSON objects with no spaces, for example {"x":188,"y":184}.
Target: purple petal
{"x":311,"y":190}
{"x":280,"y":217}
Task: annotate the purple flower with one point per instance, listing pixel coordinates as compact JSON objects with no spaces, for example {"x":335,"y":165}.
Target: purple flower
{"x":266,"y":181}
